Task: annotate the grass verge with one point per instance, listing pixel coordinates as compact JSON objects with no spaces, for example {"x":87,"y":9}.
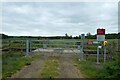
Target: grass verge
{"x":90,"y":69}
{"x":14,"y":61}
{"x":51,"y":68}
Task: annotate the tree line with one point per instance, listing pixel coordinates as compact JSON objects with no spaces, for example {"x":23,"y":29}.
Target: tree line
{"x":88,"y":36}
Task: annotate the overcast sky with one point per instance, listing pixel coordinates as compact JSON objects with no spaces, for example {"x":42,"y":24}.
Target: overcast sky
{"x":56,"y":19}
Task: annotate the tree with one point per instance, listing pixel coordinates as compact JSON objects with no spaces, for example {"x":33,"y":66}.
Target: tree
{"x":89,"y":35}
{"x":76,"y":37}
{"x":70,"y":37}
{"x":3,"y":36}
{"x":66,"y":36}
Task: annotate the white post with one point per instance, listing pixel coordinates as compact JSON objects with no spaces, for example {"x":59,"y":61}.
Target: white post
{"x":98,"y":55}
{"x":104,"y":54}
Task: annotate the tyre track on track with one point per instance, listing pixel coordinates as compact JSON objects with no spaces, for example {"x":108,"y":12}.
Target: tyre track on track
{"x":67,"y":68}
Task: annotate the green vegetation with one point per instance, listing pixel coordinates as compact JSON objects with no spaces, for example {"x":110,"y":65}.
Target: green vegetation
{"x":88,"y":67}
{"x":14,"y":61}
{"x":51,"y":68}
{"x":110,"y":69}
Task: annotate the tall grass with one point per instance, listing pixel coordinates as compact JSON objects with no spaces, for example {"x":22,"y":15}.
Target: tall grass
{"x":13,"y":62}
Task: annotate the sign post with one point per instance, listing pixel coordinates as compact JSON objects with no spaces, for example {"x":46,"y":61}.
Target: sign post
{"x":105,"y":44}
{"x":104,"y":54}
{"x":98,"y":55}
{"x":100,"y":37}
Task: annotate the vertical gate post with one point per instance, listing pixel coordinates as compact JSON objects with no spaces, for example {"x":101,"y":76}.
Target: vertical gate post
{"x":82,"y":45}
{"x":27,"y":47}
{"x":82,"y":53}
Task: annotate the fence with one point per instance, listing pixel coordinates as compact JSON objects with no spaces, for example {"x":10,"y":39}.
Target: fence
{"x":30,"y":45}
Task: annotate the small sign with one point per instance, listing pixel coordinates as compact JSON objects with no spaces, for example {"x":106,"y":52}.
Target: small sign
{"x":105,"y":43}
{"x":90,"y":42}
{"x":96,"y":42}
{"x":100,"y":37}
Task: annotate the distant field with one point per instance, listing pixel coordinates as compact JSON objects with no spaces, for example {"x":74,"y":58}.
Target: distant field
{"x":52,"y":43}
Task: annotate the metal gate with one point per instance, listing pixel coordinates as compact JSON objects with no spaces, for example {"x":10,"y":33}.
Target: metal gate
{"x":59,"y":46}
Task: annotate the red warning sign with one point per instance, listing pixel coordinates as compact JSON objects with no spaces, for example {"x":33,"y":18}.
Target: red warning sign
{"x":100,"y":31}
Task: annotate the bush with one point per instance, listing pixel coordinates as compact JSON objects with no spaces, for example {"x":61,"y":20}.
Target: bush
{"x":111,"y":70}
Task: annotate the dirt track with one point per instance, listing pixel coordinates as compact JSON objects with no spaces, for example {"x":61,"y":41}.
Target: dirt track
{"x":67,"y":68}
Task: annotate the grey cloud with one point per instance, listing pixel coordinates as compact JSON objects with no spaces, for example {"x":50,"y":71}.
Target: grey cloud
{"x":58,"y":18}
